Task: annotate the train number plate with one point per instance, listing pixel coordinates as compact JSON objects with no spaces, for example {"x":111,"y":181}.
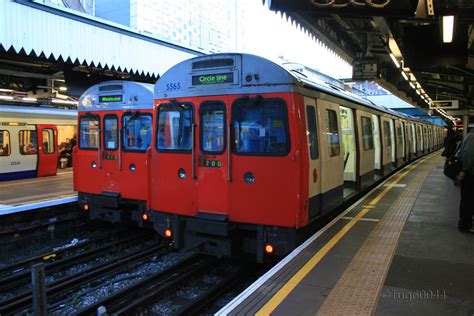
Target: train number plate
{"x":212,"y":163}
{"x":109,"y":157}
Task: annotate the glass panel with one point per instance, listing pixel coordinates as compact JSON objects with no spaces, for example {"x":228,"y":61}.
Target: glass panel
{"x":111,"y":132}
{"x":4,"y":143}
{"x":213,"y":127}
{"x":136,"y":132}
{"x":89,"y":132}
{"x":332,"y":133}
{"x":174,"y":131}
{"x":312,"y":133}
{"x":367,"y":136}
{"x":28,"y":142}
{"x":261,"y":127}
{"x":48,"y":141}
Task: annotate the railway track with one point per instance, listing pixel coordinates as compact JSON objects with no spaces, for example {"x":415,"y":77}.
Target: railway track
{"x":61,"y":282}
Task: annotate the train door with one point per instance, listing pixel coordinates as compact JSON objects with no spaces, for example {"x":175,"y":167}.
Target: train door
{"x":366,"y":149}
{"x":263,"y":185}
{"x":332,"y":155}
{"x":172,"y":170}
{"x":350,"y":150}
{"x":87,"y":157}
{"x":401,"y":142}
{"x":212,"y":155}
{"x":134,"y":140}
{"x":378,"y":147}
{"x":387,"y":146}
{"x":314,"y":205}
{"x":110,"y":157}
{"x":47,"y":150}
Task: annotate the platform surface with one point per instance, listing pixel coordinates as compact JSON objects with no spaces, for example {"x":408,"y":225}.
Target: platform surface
{"x":18,"y":194}
{"x":396,"y":252}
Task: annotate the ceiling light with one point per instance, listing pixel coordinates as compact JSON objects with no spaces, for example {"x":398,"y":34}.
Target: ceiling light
{"x":412,"y":85}
{"x":395,"y":61}
{"x":62,"y":88}
{"x":6,"y":97}
{"x":448,"y":28}
{"x":404,"y":75}
{"x":30,"y":99}
{"x":63,"y":101}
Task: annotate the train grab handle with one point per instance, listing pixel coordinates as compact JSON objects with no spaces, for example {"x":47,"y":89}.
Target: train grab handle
{"x":229,"y":175}
{"x":193,"y":152}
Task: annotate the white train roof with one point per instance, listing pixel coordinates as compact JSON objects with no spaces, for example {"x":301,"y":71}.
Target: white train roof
{"x":117,"y":95}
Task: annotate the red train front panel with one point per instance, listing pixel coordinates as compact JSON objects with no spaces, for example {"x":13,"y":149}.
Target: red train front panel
{"x":263,"y":182}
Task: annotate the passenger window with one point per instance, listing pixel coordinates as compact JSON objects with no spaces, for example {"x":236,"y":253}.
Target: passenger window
{"x":312,"y":132}
{"x":111,"y":132}
{"x":367,"y":135}
{"x":213,"y":127}
{"x":260,"y":127}
{"x":386,"y":133}
{"x":136,"y":132}
{"x":4,"y":143}
{"x":175,"y":123}
{"x":48,"y":140}
{"x":89,"y":132}
{"x":332,"y":133}
{"x":28,"y":142}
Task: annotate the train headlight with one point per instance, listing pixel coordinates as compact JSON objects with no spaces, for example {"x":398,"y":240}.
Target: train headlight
{"x":181,"y":173}
{"x":249,"y":177}
{"x":132,"y":167}
{"x":93,"y":164}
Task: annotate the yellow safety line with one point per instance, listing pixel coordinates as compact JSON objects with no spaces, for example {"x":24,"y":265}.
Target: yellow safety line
{"x":296,"y":279}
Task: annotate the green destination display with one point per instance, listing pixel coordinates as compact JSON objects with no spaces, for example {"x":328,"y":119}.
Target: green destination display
{"x":110,"y":98}
{"x":213,"y":79}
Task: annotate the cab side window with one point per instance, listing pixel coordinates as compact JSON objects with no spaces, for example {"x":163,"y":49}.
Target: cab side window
{"x":332,"y":134}
{"x":89,"y":132}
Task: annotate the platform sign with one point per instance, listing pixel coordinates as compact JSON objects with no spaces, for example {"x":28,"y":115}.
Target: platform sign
{"x":445,"y":104}
{"x":365,"y":69}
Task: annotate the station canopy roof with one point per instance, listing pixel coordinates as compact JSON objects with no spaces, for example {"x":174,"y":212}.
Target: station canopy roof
{"x":367,"y":32}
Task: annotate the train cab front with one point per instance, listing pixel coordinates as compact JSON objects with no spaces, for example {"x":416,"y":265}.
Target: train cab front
{"x":110,"y":168}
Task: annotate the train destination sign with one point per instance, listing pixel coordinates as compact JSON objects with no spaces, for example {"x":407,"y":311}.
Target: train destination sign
{"x":110,"y":98}
{"x":213,"y":79}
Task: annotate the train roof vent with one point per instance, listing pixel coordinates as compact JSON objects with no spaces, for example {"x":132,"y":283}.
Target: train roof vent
{"x":111,"y":87}
{"x":213,"y":63}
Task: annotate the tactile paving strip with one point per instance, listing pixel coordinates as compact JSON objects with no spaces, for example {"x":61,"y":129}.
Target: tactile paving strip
{"x":358,"y":290}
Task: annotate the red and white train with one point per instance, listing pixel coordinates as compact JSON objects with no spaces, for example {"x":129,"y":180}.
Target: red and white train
{"x":247,"y":155}
{"x":114,"y":134}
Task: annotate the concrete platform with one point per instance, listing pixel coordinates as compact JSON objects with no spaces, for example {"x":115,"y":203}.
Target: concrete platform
{"x":396,"y":251}
{"x":27,"y":194}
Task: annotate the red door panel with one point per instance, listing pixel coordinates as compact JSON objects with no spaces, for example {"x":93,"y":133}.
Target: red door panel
{"x":47,"y":150}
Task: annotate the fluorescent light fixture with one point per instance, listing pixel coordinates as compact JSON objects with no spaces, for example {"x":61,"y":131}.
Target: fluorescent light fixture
{"x":448,"y":28}
{"x":30,"y":99}
{"x":6,"y":97}
{"x":63,"y":101}
{"x":404,"y":75}
{"x":418,"y":91}
{"x":6,"y":90}
{"x":395,"y":61}
{"x":412,"y":85}
{"x":62,"y":88}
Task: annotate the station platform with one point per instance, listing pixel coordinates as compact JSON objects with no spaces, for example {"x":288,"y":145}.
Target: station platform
{"x":397,"y":251}
{"x":28,"y":194}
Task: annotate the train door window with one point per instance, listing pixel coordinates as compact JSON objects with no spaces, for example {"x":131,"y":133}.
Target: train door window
{"x":386,"y":134}
{"x":175,"y":124}
{"x":136,"y":131}
{"x":413,"y":137}
{"x":213,"y":118}
{"x":312,"y":133}
{"x":110,"y":132}
{"x":401,"y":138}
{"x":28,"y":142}
{"x":260,"y":127}
{"x":378,"y":151}
{"x":332,"y":133}
{"x":48,"y":140}
{"x":5,"y":148}
{"x":393,"y":141}
{"x":89,"y":132}
{"x":367,"y":135}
